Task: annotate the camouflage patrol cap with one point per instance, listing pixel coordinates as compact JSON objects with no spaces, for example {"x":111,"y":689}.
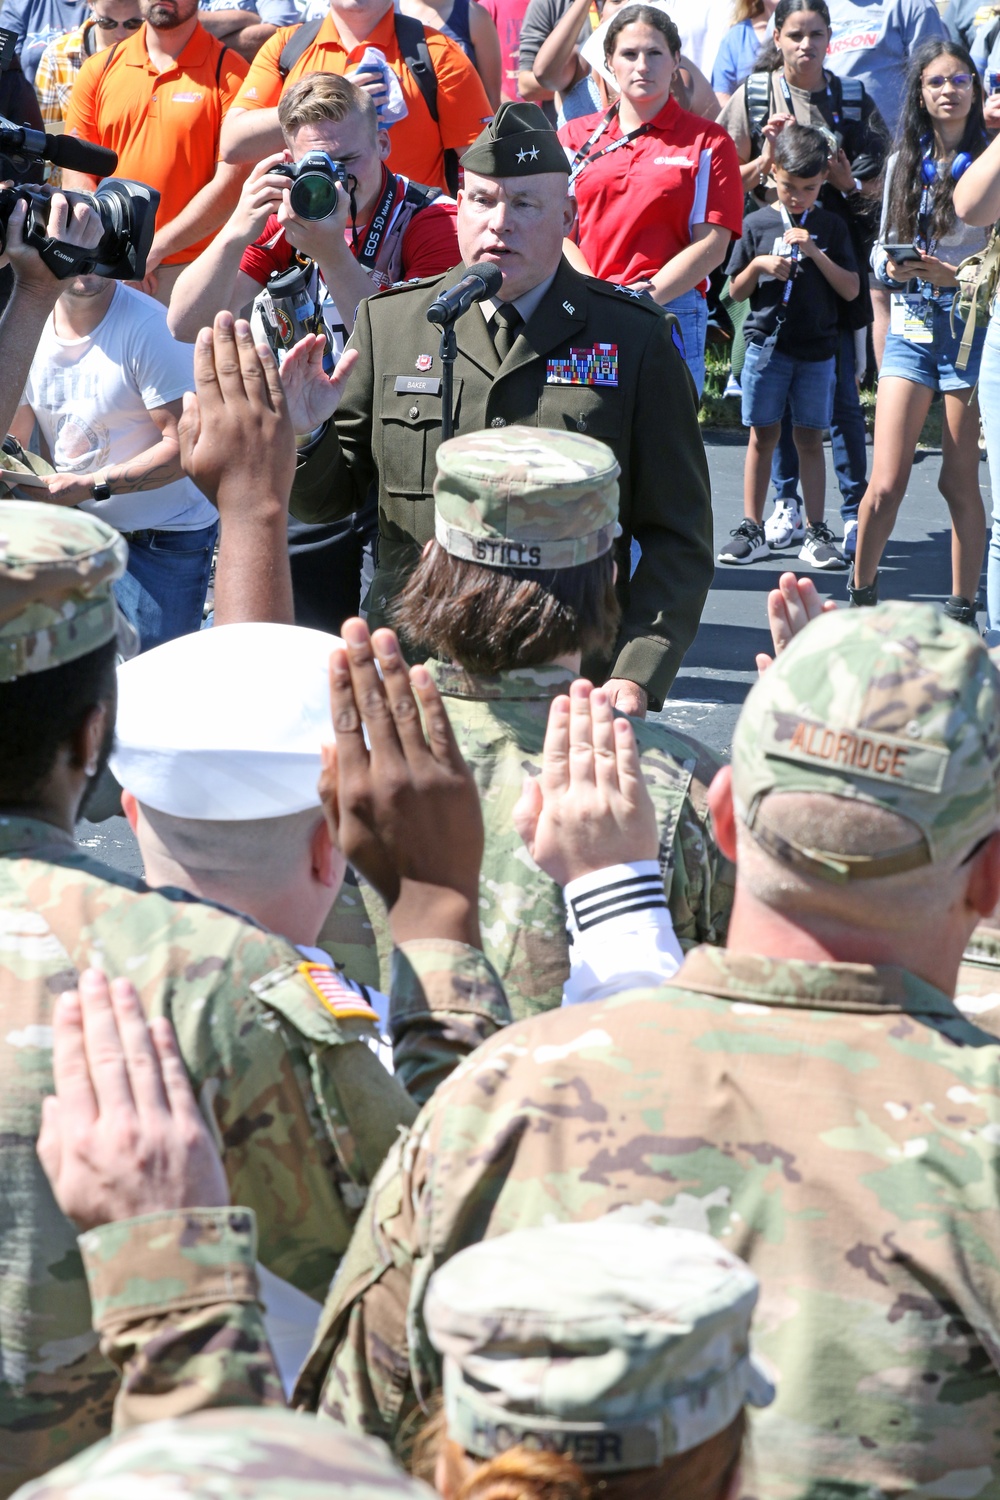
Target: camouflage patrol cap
{"x":56,"y":571}
{"x":617,"y":1343}
{"x":231,"y":1454}
{"x":894,"y":706}
{"x":526,"y":497}
{"x":518,"y":142}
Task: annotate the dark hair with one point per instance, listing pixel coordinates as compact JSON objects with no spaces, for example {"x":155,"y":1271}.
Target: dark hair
{"x":802,"y":151}
{"x":906,"y":188}
{"x":769,"y":59}
{"x":641,"y":15}
{"x":40,"y":713}
{"x":495,"y":619}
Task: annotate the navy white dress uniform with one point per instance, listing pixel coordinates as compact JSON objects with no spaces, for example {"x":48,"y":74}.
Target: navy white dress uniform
{"x":590,"y":358}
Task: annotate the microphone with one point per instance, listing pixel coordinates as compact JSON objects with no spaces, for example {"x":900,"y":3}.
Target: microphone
{"x":481,"y":281}
{"x":62,"y":150}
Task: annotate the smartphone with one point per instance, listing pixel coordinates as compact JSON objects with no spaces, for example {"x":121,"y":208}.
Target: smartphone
{"x":901,"y":254}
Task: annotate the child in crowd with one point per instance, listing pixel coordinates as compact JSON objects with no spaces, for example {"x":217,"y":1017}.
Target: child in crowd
{"x":795,"y":263}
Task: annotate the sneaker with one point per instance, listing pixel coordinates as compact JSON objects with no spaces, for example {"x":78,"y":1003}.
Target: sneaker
{"x":784,"y":527}
{"x":733,"y":387}
{"x":746,"y":544}
{"x":850,"y":537}
{"x":820,"y":549}
{"x":861,"y":596}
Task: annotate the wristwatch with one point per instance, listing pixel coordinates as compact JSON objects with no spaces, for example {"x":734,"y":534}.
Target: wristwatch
{"x":101,"y":490}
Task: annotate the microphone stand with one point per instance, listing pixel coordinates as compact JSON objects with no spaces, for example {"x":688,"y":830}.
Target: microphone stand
{"x":448,"y":353}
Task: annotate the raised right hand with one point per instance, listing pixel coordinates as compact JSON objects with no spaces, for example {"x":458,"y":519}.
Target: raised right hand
{"x":311,"y":394}
{"x":790,"y":607}
{"x":71,"y":220}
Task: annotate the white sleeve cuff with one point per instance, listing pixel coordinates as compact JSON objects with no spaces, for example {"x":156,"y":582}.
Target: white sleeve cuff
{"x":620,"y":930}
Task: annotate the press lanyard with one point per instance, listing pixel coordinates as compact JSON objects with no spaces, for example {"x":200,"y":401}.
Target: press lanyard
{"x":583,"y":157}
{"x":834,"y":112}
{"x":379,"y":222}
{"x":786,"y":219}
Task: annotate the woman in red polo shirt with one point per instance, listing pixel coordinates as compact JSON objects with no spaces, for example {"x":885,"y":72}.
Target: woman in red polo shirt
{"x":658,"y":189}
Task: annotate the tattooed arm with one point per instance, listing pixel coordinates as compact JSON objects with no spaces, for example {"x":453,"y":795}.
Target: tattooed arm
{"x":149,"y":470}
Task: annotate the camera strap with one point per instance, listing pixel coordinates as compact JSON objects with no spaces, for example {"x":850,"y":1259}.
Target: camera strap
{"x":381,"y":220}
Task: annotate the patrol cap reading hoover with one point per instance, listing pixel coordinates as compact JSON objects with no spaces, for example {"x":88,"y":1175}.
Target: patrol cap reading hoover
{"x":896,"y":706}
{"x":615,"y":1342}
{"x":525,"y":497}
{"x":57,"y":568}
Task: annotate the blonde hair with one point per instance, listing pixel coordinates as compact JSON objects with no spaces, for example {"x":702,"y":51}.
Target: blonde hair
{"x":747,"y":10}
{"x":324,"y":96}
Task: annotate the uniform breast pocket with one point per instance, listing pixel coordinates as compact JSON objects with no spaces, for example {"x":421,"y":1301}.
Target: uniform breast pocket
{"x":409,"y":433}
{"x":594,"y":410}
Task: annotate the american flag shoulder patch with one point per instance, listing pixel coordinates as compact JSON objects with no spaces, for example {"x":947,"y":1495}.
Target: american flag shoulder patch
{"x":336,"y":994}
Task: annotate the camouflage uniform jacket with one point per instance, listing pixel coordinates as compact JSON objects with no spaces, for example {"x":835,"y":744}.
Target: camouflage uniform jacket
{"x":500,"y":724}
{"x":303,"y":1110}
{"x":835,"y":1125}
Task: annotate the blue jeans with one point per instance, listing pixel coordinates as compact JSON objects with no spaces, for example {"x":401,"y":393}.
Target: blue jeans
{"x":163,"y":591}
{"x":989,"y":406}
{"x":691,"y":312}
{"x":847,"y":440}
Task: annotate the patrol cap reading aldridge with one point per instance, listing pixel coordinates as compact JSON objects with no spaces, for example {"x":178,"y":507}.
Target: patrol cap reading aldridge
{"x":518,"y":142}
{"x":526,"y":497}
{"x":226,"y":724}
{"x":614,"y":1342}
{"x":896,"y":706}
{"x":56,"y":601}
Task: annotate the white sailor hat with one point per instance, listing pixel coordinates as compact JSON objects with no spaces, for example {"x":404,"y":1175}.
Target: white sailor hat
{"x":226,"y":724}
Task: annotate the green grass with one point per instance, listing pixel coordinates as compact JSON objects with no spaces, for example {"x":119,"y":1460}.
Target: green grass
{"x":719,"y":414}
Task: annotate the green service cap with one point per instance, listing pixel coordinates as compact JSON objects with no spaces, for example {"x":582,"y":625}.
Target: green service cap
{"x":56,"y":571}
{"x":231,"y":1454}
{"x":615,"y":1342}
{"x":895,"y":706}
{"x":526,"y":497}
{"x":518,"y":142}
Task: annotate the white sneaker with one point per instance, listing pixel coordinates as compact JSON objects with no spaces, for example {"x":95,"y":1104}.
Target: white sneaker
{"x":784,"y":527}
{"x":733,"y":387}
{"x":820,"y":549}
{"x":850,"y":538}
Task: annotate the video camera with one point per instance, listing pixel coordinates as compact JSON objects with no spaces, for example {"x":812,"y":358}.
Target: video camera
{"x":127,"y":210}
{"x":315,"y":180}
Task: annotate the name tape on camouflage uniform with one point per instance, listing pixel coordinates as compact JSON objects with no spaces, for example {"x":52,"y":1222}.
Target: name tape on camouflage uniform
{"x":336,"y":994}
{"x":885,"y":757}
{"x":597,"y":365}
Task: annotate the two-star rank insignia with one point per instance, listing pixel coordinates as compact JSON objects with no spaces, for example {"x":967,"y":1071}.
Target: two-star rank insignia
{"x":531,"y":155}
{"x":424,"y":361}
{"x":336,"y":994}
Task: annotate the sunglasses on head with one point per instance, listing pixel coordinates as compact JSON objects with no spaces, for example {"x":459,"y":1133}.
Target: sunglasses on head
{"x":108,"y":23}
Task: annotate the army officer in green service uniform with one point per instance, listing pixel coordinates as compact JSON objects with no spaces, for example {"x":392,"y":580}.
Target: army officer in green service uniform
{"x":558,"y":350}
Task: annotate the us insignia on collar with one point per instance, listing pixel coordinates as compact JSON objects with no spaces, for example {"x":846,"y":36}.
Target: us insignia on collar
{"x":337,"y":996}
{"x":424,"y":361}
{"x":597,"y":365}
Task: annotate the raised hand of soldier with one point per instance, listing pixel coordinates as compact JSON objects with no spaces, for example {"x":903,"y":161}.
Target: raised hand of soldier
{"x":790,"y":607}
{"x":403,"y":808}
{"x":312,"y":395}
{"x":590,"y":806}
{"x":123,"y":1135}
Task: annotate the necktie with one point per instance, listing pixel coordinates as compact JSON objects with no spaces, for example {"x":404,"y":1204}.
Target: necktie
{"x":507,"y":324}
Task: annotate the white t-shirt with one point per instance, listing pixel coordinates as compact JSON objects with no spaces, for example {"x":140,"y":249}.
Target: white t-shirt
{"x":91,"y":398}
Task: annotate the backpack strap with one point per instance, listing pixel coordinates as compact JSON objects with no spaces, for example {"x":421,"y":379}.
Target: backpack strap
{"x":411,"y":38}
{"x":110,"y":57}
{"x":218,"y":65}
{"x":301,"y":38}
{"x":757,"y":97}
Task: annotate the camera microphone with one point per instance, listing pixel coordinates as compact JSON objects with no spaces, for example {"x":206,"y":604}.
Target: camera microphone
{"x":481,"y":281}
{"x":62,"y":150}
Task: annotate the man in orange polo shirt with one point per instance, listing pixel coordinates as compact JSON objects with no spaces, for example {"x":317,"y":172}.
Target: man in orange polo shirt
{"x":417,"y":142}
{"x":158,"y":100}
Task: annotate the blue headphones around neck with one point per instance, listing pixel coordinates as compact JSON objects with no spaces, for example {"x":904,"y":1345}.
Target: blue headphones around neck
{"x":931,"y":170}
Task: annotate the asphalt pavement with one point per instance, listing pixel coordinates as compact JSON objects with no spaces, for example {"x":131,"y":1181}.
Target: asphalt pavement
{"x":719,"y":668}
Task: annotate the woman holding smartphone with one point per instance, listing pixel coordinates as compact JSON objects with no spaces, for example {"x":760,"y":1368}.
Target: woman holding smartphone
{"x":921,"y":241}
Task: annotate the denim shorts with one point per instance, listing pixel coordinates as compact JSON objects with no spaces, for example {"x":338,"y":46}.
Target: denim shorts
{"x":806,"y":386}
{"x":933,"y":364}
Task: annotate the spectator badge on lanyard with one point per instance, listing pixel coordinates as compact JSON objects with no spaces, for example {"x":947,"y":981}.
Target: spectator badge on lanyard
{"x":911,"y":314}
{"x":767,"y":348}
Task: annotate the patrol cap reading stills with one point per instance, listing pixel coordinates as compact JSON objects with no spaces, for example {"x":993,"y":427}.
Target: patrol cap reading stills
{"x":614,"y":1342}
{"x":896,"y":706}
{"x":231,"y":1455}
{"x":226,"y":724}
{"x":518,"y":142}
{"x":56,"y":602}
{"x":526,"y":497}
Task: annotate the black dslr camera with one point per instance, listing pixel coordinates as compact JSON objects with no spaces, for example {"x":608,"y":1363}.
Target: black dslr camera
{"x":315,"y":180}
{"x":127,"y":210}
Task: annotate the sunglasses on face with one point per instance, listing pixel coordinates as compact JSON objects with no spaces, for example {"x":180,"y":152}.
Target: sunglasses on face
{"x":957,"y":80}
{"x":107,"y":23}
